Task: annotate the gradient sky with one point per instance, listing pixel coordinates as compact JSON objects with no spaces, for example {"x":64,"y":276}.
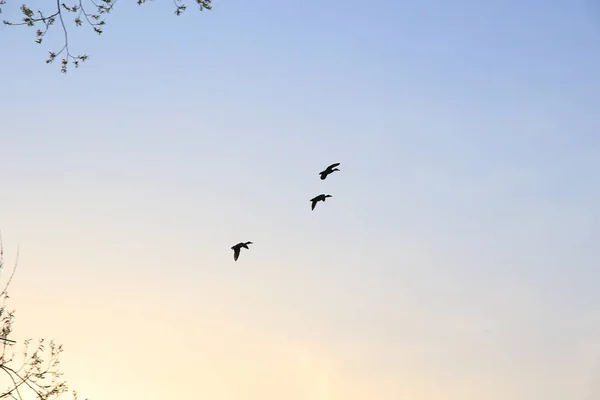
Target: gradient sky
{"x":457,"y":259}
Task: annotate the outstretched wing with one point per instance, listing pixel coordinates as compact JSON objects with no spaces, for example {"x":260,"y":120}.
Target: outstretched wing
{"x":314,"y":203}
{"x":332,"y":166}
{"x":236,"y":253}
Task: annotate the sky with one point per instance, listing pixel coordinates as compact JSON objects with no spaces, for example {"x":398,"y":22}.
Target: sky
{"x":457,"y":258}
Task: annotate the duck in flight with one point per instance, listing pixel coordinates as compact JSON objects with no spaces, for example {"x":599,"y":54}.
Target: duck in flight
{"x":329,"y":170}
{"x":236,"y":249}
{"x":320,"y":197}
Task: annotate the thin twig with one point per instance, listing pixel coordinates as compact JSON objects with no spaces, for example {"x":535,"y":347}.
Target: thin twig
{"x":12,"y":274}
{"x":24,"y":380}
{"x":16,"y":385}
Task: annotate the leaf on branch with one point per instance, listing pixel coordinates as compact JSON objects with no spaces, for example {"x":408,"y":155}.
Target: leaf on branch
{"x":51,"y":57}
{"x":92,"y":17}
{"x":26,"y":11}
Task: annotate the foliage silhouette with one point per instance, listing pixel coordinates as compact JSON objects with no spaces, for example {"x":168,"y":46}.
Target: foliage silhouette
{"x":83,"y":12}
{"x":35,"y":374}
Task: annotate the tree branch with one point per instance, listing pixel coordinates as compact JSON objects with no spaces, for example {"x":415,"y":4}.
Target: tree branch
{"x":39,"y":371}
{"x":15,"y":384}
{"x":95,"y":19}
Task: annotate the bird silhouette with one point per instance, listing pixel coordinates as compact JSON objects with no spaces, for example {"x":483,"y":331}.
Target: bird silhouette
{"x":236,"y":249}
{"x":328,"y":170}
{"x":320,"y":197}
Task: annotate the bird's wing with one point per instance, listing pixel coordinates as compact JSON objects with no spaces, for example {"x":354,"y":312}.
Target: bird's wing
{"x":236,"y":253}
{"x":314,"y":203}
{"x":248,"y":242}
{"x":333,"y":166}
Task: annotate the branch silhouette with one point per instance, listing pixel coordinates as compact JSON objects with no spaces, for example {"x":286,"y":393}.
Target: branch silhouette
{"x":37,"y":375}
{"x":85,"y":12}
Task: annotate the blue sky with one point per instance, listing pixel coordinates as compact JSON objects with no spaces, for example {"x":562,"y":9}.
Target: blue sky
{"x":456,"y":259}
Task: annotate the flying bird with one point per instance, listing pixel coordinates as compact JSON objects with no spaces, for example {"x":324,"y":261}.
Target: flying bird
{"x":236,"y":249}
{"x":329,"y":170}
{"x":320,"y":197}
